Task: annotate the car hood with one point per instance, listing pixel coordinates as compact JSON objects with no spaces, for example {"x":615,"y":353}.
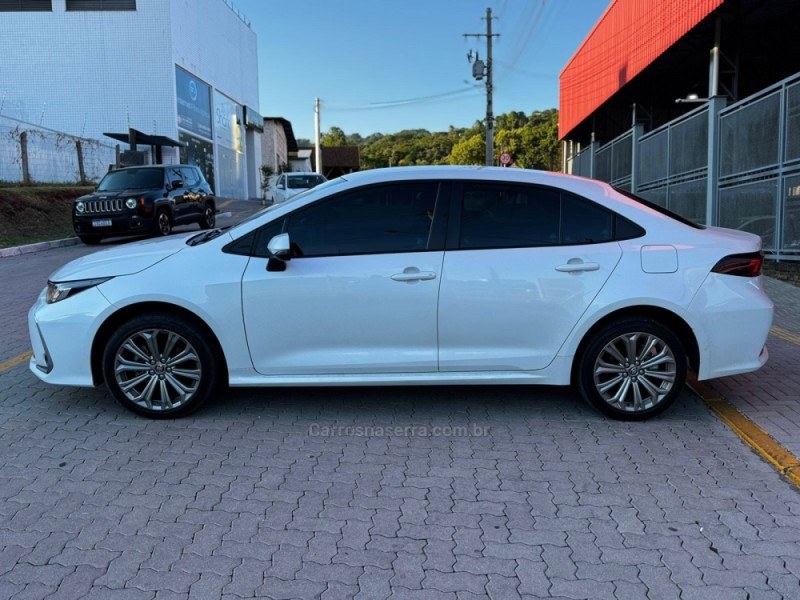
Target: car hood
{"x":111,"y":195}
{"x":124,"y":259}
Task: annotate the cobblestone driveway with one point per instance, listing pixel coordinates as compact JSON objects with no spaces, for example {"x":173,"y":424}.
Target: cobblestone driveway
{"x":249,"y":498}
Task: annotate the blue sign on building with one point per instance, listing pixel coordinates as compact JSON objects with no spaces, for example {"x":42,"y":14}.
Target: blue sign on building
{"x":194,"y":103}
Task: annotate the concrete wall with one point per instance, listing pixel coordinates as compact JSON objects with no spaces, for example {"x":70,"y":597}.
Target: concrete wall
{"x":83,"y":73}
{"x":273,"y":145}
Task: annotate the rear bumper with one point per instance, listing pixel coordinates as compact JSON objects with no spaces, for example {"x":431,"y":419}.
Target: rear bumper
{"x":732,"y":316}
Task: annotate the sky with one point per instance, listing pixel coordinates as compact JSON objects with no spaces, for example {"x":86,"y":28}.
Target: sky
{"x":383,"y":66}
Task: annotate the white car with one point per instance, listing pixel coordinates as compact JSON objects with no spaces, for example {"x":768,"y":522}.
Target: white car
{"x":411,"y":276}
{"x":289,"y":185}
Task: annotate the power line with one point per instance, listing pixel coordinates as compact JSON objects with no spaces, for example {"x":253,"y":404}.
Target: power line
{"x":472,"y":89}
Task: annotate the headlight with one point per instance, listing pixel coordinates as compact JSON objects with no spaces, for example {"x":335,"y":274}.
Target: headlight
{"x":130,"y":203}
{"x":80,"y":207}
{"x":59,"y":291}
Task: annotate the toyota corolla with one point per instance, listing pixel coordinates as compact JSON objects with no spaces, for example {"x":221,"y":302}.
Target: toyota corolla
{"x":415,"y":276}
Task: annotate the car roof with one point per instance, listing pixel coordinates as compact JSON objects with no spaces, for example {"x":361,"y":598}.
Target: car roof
{"x":578,"y":185}
{"x":159,"y":166}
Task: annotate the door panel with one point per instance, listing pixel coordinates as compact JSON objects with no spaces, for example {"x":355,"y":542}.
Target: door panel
{"x":343,"y":314}
{"x":512,"y":309}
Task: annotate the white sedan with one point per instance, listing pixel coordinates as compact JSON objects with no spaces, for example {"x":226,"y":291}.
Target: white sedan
{"x":289,"y":185}
{"x":412,"y":276}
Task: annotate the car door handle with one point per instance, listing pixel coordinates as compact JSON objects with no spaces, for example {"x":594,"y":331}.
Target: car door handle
{"x":414,"y":274}
{"x":574,"y":267}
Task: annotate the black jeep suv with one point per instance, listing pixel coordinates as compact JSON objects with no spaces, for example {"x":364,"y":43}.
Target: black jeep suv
{"x":142,"y":200}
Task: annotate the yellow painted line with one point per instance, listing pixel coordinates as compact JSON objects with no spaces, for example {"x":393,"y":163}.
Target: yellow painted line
{"x":785,"y":335}
{"x":759,"y":440}
{"x":13,"y":362}
{"x":224,"y":204}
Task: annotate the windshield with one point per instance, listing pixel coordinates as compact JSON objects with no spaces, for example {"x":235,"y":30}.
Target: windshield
{"x":146,"y":178}
{"x":301,"y":182}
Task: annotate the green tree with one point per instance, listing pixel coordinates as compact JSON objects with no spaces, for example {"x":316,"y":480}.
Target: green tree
{"x":334,"y":137}
{"x":468,"y":151}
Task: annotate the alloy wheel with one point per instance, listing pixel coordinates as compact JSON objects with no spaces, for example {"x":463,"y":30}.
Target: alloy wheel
{"x":635,"y":372}
{"x":164,"y":226}
{"x":157,"y":369}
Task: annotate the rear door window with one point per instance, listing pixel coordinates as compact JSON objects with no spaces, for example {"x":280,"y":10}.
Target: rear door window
{"x":519,"y":216}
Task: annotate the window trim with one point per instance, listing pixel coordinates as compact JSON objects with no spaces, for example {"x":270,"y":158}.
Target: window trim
{"x":457,"y":202}
{"x":436,"y":236}
{"x":10,"y":6}
{"x":101,"y":6}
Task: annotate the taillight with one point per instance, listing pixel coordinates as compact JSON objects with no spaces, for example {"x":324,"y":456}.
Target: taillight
{"x":743,"y":265}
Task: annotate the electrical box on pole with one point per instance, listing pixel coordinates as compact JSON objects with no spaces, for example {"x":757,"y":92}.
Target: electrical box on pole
{"x":481,"y":70}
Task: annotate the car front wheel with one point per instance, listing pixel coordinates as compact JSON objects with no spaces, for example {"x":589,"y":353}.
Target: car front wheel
{"x":163,"y":223}
{"x":209,"y":217}
{"x":632,"y":369}
{"x":160,"y":366}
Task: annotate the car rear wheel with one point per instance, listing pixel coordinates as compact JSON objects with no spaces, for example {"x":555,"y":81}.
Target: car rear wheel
{"x":632,"y":369}
{"x":163,"y":223}
{"x":160,"y":366}
{"x":90,"y":240}
{"x":209,"y":218}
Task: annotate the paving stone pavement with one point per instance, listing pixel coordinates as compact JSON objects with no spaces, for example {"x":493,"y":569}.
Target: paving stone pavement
{"x":771,"y":395}
{"x":267,"y":494}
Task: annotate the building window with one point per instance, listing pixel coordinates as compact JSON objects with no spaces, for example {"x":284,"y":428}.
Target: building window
{"x":101,"y":4}
{"x":25,"y":5}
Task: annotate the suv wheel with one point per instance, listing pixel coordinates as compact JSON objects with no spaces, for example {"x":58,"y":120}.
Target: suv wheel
{"x":209,"y":217}
{"x":160,"y":366}
{"x":163,"y":223}
{"x":632,"y":369}
{"x":90,"y":240}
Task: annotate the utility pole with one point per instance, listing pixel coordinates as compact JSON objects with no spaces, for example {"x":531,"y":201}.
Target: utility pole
{"x":318,"y":144}
{"x":478,"y":72}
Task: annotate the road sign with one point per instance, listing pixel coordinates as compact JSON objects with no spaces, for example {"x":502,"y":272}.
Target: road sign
{"x":505,"y":158}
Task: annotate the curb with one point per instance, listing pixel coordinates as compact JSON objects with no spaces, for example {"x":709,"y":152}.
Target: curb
{"x":39,"y":247}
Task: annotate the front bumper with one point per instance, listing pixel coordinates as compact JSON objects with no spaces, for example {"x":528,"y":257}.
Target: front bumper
{"x":62,"y":335}
{"x":121,"y":224}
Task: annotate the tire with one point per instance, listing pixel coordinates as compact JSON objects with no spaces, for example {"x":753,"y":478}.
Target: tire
{"x":163,"y":223}
{"x":142,"y":348}
{"x":612,"y":374}
{"x":209,"y":218}
{"x":90,"y":240}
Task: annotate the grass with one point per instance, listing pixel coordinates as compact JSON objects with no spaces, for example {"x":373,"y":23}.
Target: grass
{"x":40,"y":213}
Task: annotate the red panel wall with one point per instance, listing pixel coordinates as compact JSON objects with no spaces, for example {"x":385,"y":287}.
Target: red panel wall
{"x":629,"y":36}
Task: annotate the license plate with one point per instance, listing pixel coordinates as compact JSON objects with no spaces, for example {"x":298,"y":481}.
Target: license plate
{"x":101,"y":223}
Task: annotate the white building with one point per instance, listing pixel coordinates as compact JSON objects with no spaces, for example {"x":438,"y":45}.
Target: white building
{"x":183,"y":69}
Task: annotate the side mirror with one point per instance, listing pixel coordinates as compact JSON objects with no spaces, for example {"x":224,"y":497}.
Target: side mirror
{"x":280,"y":186}
{"x":176,"y":184}
{"x":280,"y":251}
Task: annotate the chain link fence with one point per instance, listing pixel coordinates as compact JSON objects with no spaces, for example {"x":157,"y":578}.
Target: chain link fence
{"x":31,"y":154}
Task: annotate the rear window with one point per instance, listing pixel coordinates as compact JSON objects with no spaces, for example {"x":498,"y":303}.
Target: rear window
{"x":660,"y":209}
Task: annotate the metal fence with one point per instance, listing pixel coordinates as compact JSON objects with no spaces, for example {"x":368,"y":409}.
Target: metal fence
{"x":32,"y":154}
{"x":752,"y":182}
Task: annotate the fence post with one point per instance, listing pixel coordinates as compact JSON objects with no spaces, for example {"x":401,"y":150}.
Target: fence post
{"x":638,"y":131}
{"x":715,"y":105}
{"x":23,"y":145}
{"x":592,"y":150}
{"x":81,"y":171}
